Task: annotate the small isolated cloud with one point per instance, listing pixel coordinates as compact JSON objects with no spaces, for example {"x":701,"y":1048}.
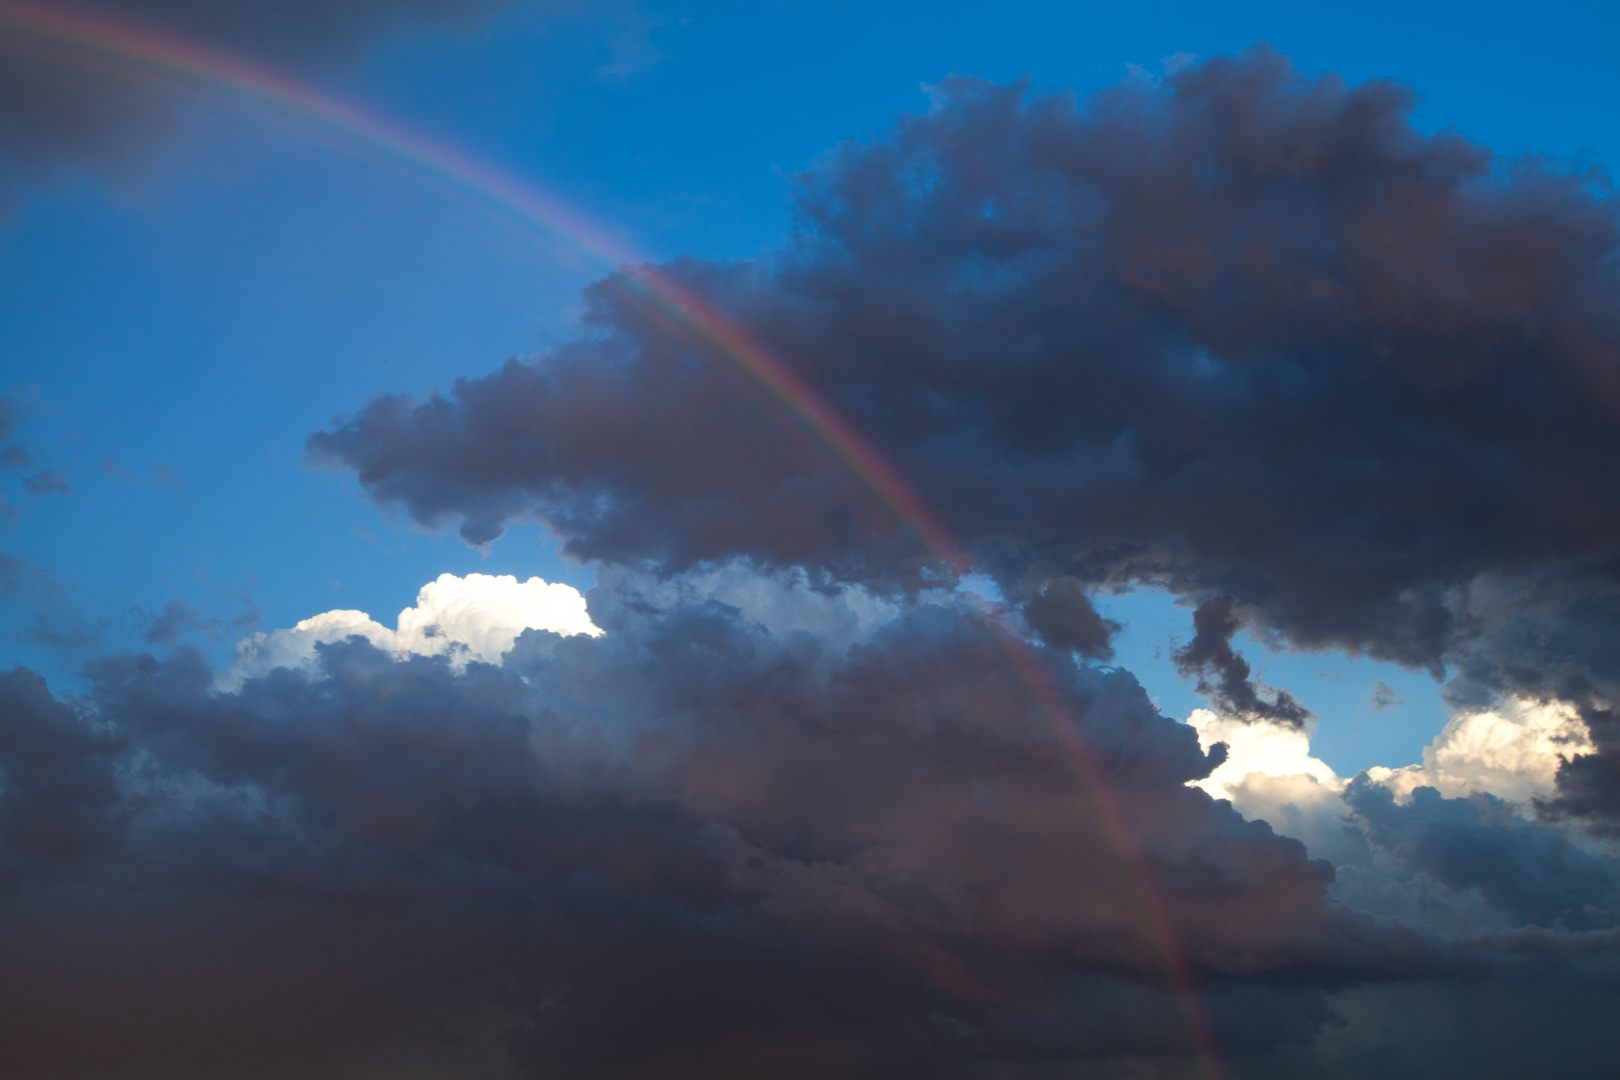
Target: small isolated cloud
{"x":477,"y":617}
{"x":1385,"y":696}
{"x":1063,"y":615}
{"x":11,"y":453}
{"x":19,"y":577}
{"x":48,"y":482}
{"x":111,"y":468}
{"x":1223,"y":673}
{"x":179,"y":618}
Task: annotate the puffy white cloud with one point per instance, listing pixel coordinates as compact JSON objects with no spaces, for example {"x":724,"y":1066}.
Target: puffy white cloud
{"x":1270,"y":775}
{"x":477,"y":617}
{"x":1512,"y":752}
{"x":1256,"y":747}
{"x":480,"y":616}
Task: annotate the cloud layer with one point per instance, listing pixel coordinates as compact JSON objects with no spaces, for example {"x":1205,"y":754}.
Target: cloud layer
{"x":753,"y":852}
{"x":762,"y":852}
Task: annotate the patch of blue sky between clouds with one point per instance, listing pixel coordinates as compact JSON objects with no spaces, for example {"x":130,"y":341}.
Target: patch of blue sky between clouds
{"x":1356,"y":728}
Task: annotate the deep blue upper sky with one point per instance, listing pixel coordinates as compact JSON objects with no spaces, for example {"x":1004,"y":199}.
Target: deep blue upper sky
{"x":177,"y":333}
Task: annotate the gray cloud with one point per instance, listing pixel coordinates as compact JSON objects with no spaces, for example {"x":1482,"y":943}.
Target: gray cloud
{"x":178,"y":619}
{"x":1063,"y":615}
{"x":1385,"y":696}
{"x":1223,"y":674}
{"x":12,"y":454}
{"x":1531,"y":873}
{"x":1238,"y":333}
{"x":48,"y":482}
{"x":755,"y":850}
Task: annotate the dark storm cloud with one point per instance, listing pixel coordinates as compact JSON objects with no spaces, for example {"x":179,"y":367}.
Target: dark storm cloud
{"x":1223,"y":674}
{"x":1531,"y":873}
{"x":1063,"y":616}
{"x":60,"y":109}
{"x":689,"y":848}
{"x":60,"y":799}
{"x":1237,"y":333}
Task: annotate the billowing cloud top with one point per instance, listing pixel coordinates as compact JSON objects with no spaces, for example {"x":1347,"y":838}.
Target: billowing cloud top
{"x":477,"y":617}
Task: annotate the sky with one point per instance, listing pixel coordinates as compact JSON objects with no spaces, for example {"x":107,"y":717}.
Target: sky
{"x":643,"y":539}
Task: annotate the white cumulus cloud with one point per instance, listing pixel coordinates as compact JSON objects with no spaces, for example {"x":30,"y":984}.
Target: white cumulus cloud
{"x":476,"y":617}
{"x":1270,"y":775}
{"x":1512,"y":752}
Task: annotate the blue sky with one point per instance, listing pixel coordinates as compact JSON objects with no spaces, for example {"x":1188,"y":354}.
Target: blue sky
{"x":192,"y":321}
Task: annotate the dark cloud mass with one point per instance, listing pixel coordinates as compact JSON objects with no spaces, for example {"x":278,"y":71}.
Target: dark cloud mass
{"x":1531,"y":873}
{"x":698,"y":846}
{"x":1223,"y":674}
{"x":1237,"y":333}
{"x":1063,"y":617}
{"x":690,"y":848}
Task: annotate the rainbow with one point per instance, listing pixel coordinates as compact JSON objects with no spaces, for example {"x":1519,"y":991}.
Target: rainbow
{"x":128,"y":50}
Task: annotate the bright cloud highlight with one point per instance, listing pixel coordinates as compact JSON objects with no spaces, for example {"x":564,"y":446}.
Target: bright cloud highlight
{"x":476,"y":617}
{"x":1512,"y":752}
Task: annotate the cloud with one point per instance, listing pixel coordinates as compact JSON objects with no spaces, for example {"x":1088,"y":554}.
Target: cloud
{"x":111,"y":468}
{"x":1385,"y":696}
{"x":754,"y":849}
{"x":1455,"y":842}
{"x":62,"y":110}
{"x":12,"y":411}
{"x":1513,"y":751}
{"x":772,"y":799}
{"x":1063,"y":616}
{"x":1532,"y":873}
{"x":178,"y":618}
{"x":48,"y":482}
{"x":1235,"y":332}
{"x":1270,"y":748}
{"x":477,"y":617}
{"x":1210,"y":653}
